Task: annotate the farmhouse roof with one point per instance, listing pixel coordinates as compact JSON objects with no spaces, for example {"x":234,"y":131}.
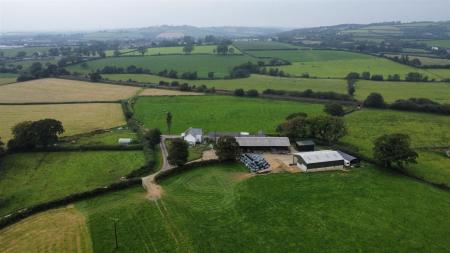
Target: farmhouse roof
{"x":193,"y":131}
{"x":347,"y":157}
{"x":305,"y":143}
{"x":255,"y":141}
{"x":320,"y":156}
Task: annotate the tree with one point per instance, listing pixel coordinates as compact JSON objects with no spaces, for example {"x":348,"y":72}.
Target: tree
{"x":374,"y":100}
{"x":327,"y":128}
{"x":95,"y":77}
{"x":295,"y":128}
{"x":153,"y":136}
{"x":231,"y":50}
{"x":227,"y":149}
{"x":365,"y":75}
{"x":252,"y":93}
{"x":2,"y":148}
{"x":169,"y":121}
{"x":30,"y":134}
{"x":351,"y":86}
{"x":178,"y":152}
{"x":394,"y":149}
{"x":352,"y":75}
{"x":239,"y":92}
{"x":296,"y":114}
{"x":334,"y":110}
{"x":188,"y":48}
{"x":116,"y":53}
{"x":377,"y":78}
{"x":21,"y":54}
{"x":211,"y":75}
{"x":142,"y":50}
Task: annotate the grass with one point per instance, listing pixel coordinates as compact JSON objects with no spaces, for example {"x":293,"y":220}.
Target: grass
{"x":218,"y":113}
{"x":31,"y":178}
{"x":76,"y":118}
{"x":220,"y":65}
{"x":376,"y":211}
{"x":12,"y":52}
{"x":440,"y":73}
{"x":27,"y":63}
{"x":311,"y":55}
{"x":108,"y":138}
{"x":425,"y":130}
{"x":262,"y":45}
{"x":166,"y":92}
{"x":437,"y":43}
{"x":391,"y":91}
{"x":57,"y":230}
{"x":60,"y":90}
{"x":425,"y":60}
{"x":6,"y":78}
{"x":209,"y":49}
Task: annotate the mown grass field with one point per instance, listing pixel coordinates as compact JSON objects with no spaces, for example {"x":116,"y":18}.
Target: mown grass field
{"x":31,"y":178}
{"x":311,"y":55}
{"x":12,"y":52}
{"x":76,"y":118}
{"x":425,"y":130}
{"x":262,"y":45}
{"x":6,"y":78}
{"x":375,"y":210}
{"x":58,"y":230}
{"x":209,"y":49}
{"x":391,"y":91}
{"x":218,"y":113}
{"x":220,"y":65}
{"x":108,"y":138}
{"x":60,"y":90}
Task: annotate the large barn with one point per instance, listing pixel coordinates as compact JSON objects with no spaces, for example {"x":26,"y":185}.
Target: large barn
{"x":258,"y":143}
{"x":319,"y":160}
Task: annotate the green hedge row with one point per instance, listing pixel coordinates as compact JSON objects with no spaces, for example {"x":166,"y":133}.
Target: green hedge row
{"x":97,"y":147}
{"x":177,"y":170}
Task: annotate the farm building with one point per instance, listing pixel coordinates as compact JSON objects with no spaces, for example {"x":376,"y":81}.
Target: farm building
{"x":214,"y":136}
{"x":259,"y":143}
{"x":193,"y":135}
{"x":319,"y":160}
{"x":304,"y":146}
{"x":124,"y":141}
{"x":349,"y":160}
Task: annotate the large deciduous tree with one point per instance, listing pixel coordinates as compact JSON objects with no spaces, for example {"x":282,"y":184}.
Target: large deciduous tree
{"x":375,"y":100}
{"x":294,"y":128}
{"x":334,"y":110}
{"x":169,"y":121}
{"x":153,"y":136}
{"x":327,"y":128}
{"x":227,"y":149}
{"x":30,"y":134}
{"x":178,"y":152}
{"x":394,"y":149}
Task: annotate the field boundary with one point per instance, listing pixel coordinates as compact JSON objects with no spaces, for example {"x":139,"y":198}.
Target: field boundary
{"x":62,"y":103}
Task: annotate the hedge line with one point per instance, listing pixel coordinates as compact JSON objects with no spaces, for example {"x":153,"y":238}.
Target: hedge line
{"x":177,"y":170}
{"x":26,"y":212}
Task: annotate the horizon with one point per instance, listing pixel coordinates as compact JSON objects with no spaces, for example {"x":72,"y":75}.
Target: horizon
{"x":97,"y":15}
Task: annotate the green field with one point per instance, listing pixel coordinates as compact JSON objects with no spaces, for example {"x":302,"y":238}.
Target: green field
{"x":27,"y":63}
{"x":218,"y":113}
{"x":108,"y":138}
{"x":31,"y":178}
{"x":177,"y":50}
{"x":391,"y":91}
{"x":6,"y":78}
{"x":12,"y":52}
{"x":425,"y":130}
{"x":220,"y":65}
{"x":437,"y":43}
{"x":263,"y":45}
{"x":209,"y":210}
{"x":311,"y":55}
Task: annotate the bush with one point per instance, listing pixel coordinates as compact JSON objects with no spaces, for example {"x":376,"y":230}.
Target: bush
{"x":377,"y":78}
{"x":239,"y":92}
{"x":375,"y":100}
{"x":252,"y":93}
{"x":178,"y":152}
{"x":334,"y":110}
{"x":153,"y":136}
{"x":420,"y":105}
{"x":227,"y":149}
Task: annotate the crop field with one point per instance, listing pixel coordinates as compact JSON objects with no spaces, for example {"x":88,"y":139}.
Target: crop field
{"x":58,"y":230}
{"x":311,"y":55}
{"x":76,"y":118}
{"x":6,"y":78}
{"x":178,"y":50}
{"x":425,"y":130}
{"x":220,"y":65}
{"x":218,"y":113}
{"x":31,"y":178}
{"x":12,"y":52}
{"x":262,"y":45}
{"x":391,"y":91}
{"x":267,"y":213}
{"x":60,"y":90}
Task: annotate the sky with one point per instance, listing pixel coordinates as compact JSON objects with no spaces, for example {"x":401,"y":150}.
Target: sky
{"x":81,"y":15}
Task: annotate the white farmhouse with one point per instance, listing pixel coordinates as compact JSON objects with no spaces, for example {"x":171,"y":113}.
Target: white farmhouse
{"x":193,"y":135}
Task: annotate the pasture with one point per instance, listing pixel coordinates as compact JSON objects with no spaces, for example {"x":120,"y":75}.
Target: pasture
{"x":262,"y":45}
{"x":218,"y":113}
{"x":267,"y":213}
{"x":209,"y":49}
{"x":61,"y":90}
{"x":57,"y":230}
{"x":437,"y":43}
{"x":6,"y":78}
{"x":109,"y":137}
{"x":12,"y":52}
{"x":425,"y":60}
{"x":311,"y":55}
{"x":220,"y":65}
{"x":31,"y":178}
{"x":165,"y":92}
{"x":76,"y":118}
{"x":391,"y":91}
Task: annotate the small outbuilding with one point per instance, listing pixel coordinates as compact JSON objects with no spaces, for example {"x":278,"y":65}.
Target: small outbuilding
{"x":193,"y":135}
{"x":125,"y":141}
{"x":305,"y":145}
{"x":319,"y":160}
{"x":349,"y":160}
{"x":257,"y":143}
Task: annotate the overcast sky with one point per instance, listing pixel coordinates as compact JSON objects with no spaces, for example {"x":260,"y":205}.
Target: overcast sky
{"x":73,"y":15}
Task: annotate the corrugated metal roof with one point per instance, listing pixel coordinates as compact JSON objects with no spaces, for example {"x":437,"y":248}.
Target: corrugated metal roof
{"x":320,"y":156}
{"x":263,"y":141}
{"x":346,"y":156}
{"x":194,"y":131}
